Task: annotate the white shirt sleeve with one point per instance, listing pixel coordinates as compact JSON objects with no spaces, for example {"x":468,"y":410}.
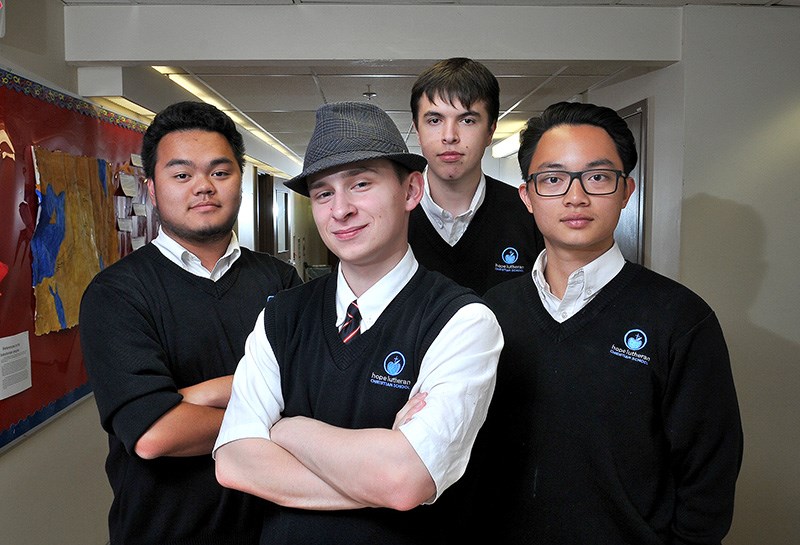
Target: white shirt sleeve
{"x":256,"y":398}
{"x":459,"y":372}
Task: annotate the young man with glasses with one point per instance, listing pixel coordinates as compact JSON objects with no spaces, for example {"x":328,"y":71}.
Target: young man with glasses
{"x":469,"y":226}
{"x":615,"y":414}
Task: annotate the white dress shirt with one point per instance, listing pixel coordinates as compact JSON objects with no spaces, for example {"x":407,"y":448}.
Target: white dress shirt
{"x":189,"y":262}
{"x":450,"y":227}
{"x":582,"y":285}
{"x":458,"y":372}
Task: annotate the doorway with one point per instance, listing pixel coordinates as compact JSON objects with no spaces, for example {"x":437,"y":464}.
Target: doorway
{"x":630,"y":230}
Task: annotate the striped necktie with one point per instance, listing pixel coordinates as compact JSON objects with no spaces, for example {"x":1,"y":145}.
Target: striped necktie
{"x":352,"y":325}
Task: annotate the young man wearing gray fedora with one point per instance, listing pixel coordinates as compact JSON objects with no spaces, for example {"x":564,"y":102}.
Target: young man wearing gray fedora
{"x":360,"y":393}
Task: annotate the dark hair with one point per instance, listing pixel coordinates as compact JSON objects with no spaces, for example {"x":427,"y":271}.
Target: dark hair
{"x":186,"y":116}
{"x":461,"y":79}
{"x":574,"y":113}
{"x":401,"y":171}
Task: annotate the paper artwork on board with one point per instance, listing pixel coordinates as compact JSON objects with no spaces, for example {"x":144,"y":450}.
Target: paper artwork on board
{"x":15,"y":364}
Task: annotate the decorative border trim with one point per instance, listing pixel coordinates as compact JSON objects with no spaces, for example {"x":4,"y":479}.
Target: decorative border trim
{"x":63,"y":100}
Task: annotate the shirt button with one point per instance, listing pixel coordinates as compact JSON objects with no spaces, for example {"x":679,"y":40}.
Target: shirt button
{"x":564,"y":315}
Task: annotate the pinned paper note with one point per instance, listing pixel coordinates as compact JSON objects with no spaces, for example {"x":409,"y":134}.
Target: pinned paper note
{"x":129,"y":184}
{"x":15,"y":364}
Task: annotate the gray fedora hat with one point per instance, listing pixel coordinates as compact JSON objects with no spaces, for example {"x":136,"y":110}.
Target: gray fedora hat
{"x":347,"y":132}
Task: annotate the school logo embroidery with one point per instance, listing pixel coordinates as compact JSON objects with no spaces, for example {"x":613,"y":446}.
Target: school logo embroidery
{"x":393,"y":365}
{"x":634,"y":341}
{"x":508,"y":258}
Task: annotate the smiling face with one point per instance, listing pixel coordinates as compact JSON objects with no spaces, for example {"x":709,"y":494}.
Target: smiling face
{"x":453,"y":138}
{"x":361,"y":211}
{"x":576,"y":226}
{"x":197,"y":188}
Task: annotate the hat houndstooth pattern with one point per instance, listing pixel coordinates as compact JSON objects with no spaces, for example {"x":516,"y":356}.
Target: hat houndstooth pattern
{"x":348,"y":132}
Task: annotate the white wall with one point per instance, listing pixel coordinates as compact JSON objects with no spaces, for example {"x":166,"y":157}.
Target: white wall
{"x":245,"y":222}
{"x":739,"y":235}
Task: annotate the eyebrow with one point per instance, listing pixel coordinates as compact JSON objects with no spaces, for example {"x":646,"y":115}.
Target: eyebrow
{"x":346,"y":173}
{"x":186,"y":162}
{"x":468,"y":113}
{"x":592,"y":164}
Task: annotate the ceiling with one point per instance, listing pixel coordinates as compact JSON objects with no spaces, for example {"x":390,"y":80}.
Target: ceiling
{"x":281,"y":97}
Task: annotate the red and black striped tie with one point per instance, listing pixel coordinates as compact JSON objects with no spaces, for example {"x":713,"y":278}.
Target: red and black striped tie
{"x":352,"y":326}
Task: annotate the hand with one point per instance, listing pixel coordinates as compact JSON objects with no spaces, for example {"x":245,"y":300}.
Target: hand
{"x":412,"y":407}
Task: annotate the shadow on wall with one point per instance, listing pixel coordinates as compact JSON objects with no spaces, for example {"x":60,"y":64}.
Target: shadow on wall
{"x":723,"y":244}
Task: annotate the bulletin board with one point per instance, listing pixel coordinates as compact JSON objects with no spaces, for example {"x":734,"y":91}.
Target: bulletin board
{"x":64,"y":215}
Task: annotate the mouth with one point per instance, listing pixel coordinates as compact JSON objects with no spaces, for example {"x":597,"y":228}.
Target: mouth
{"x":348,"y":233}
{"x":576,"y":222}
{"x":450,"y":156}
{"x":204,"y":206}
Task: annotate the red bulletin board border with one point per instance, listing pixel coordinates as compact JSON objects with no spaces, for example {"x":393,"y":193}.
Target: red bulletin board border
{"x":34,"y":115}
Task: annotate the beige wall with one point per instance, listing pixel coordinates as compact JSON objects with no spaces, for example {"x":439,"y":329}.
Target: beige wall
{"x":739,"y":238}
{"x":54,"y":488}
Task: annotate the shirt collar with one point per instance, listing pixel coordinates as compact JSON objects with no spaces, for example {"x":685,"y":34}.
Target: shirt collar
{"x":434,"y":211}
{"x":186,"y":260}
{"x":596,"y":274}
{"x":375,"y":300}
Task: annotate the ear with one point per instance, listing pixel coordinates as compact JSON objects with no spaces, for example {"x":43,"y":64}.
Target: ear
{"x":415,"y":188}
{"x":151,"y":190}
{"x":630,"y":187}
{"x":492,"y":128}
{"x":526,"y":198}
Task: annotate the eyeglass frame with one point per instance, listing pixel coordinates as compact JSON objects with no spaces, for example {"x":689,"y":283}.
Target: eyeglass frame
{"x":579,"y":175}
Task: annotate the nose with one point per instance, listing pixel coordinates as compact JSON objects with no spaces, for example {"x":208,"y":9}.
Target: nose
{"x":204,"y":185}
{"x":450,"y":132}
{"x":341,"y":206}
{"x":575,"y":194}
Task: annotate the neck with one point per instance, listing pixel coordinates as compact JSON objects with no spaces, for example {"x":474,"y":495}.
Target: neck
{"x":360,"y":278}
{"x":455,"y":196}
{"x":561,"y":263}
{"x":208,"y":251}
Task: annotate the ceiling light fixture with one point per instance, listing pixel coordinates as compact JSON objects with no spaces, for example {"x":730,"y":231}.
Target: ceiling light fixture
{"x":369,"y":93}
{"x":209,"y":96}
{"x":506,"y":147}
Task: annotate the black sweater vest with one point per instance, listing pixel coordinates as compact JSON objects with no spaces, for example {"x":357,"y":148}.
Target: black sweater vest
{"x":500,"y":243}
{"x":356,"y":385}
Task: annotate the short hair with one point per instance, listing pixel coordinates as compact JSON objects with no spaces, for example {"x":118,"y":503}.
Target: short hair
{"x":461,"y":79}
{"x":187,"y":116}
{"x":574,"y":113}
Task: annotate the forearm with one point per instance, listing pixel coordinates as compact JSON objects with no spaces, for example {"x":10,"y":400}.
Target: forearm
{"x":184,"y":430}
{"x":264,"y":469}
{"x":215,"y":392}
{"x":376,"y":467}
{"x":191,"y":427}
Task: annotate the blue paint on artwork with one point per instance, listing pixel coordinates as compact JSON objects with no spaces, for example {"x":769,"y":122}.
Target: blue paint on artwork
{"x":59,"y":304}
{"x":101,"y":172}
{"x":49,"y":235}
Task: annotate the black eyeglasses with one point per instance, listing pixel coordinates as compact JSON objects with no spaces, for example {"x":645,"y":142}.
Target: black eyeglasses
{"x":554,"y":183}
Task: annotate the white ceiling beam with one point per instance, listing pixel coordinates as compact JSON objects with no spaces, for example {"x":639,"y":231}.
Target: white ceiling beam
{"x":162,"y":34}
